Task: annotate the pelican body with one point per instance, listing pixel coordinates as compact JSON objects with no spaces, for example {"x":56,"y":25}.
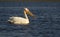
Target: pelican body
{"x":21,"y":20}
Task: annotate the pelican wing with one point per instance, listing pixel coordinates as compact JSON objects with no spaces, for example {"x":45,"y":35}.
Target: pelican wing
{"x":18,"y":20}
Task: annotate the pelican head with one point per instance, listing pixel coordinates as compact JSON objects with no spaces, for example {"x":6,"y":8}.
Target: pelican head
{"x":26,"y":9}
{"x":28,"y":12}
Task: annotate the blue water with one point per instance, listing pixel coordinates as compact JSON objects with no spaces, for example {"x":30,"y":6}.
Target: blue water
{"x":46,"y":23}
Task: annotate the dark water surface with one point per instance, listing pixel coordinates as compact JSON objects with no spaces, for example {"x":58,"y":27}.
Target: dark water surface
{"x":46,"y":24}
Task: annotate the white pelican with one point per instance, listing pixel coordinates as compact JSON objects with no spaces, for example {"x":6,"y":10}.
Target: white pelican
{"x":20,"y":20}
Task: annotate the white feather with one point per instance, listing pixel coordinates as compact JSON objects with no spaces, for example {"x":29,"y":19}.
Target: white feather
{"x":19,"y":20}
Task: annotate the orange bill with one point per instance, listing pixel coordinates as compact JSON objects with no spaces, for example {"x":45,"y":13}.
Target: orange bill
{"x":31,"y":14}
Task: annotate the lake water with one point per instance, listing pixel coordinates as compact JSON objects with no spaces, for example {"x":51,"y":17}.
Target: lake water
{"x":46,"y":23}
